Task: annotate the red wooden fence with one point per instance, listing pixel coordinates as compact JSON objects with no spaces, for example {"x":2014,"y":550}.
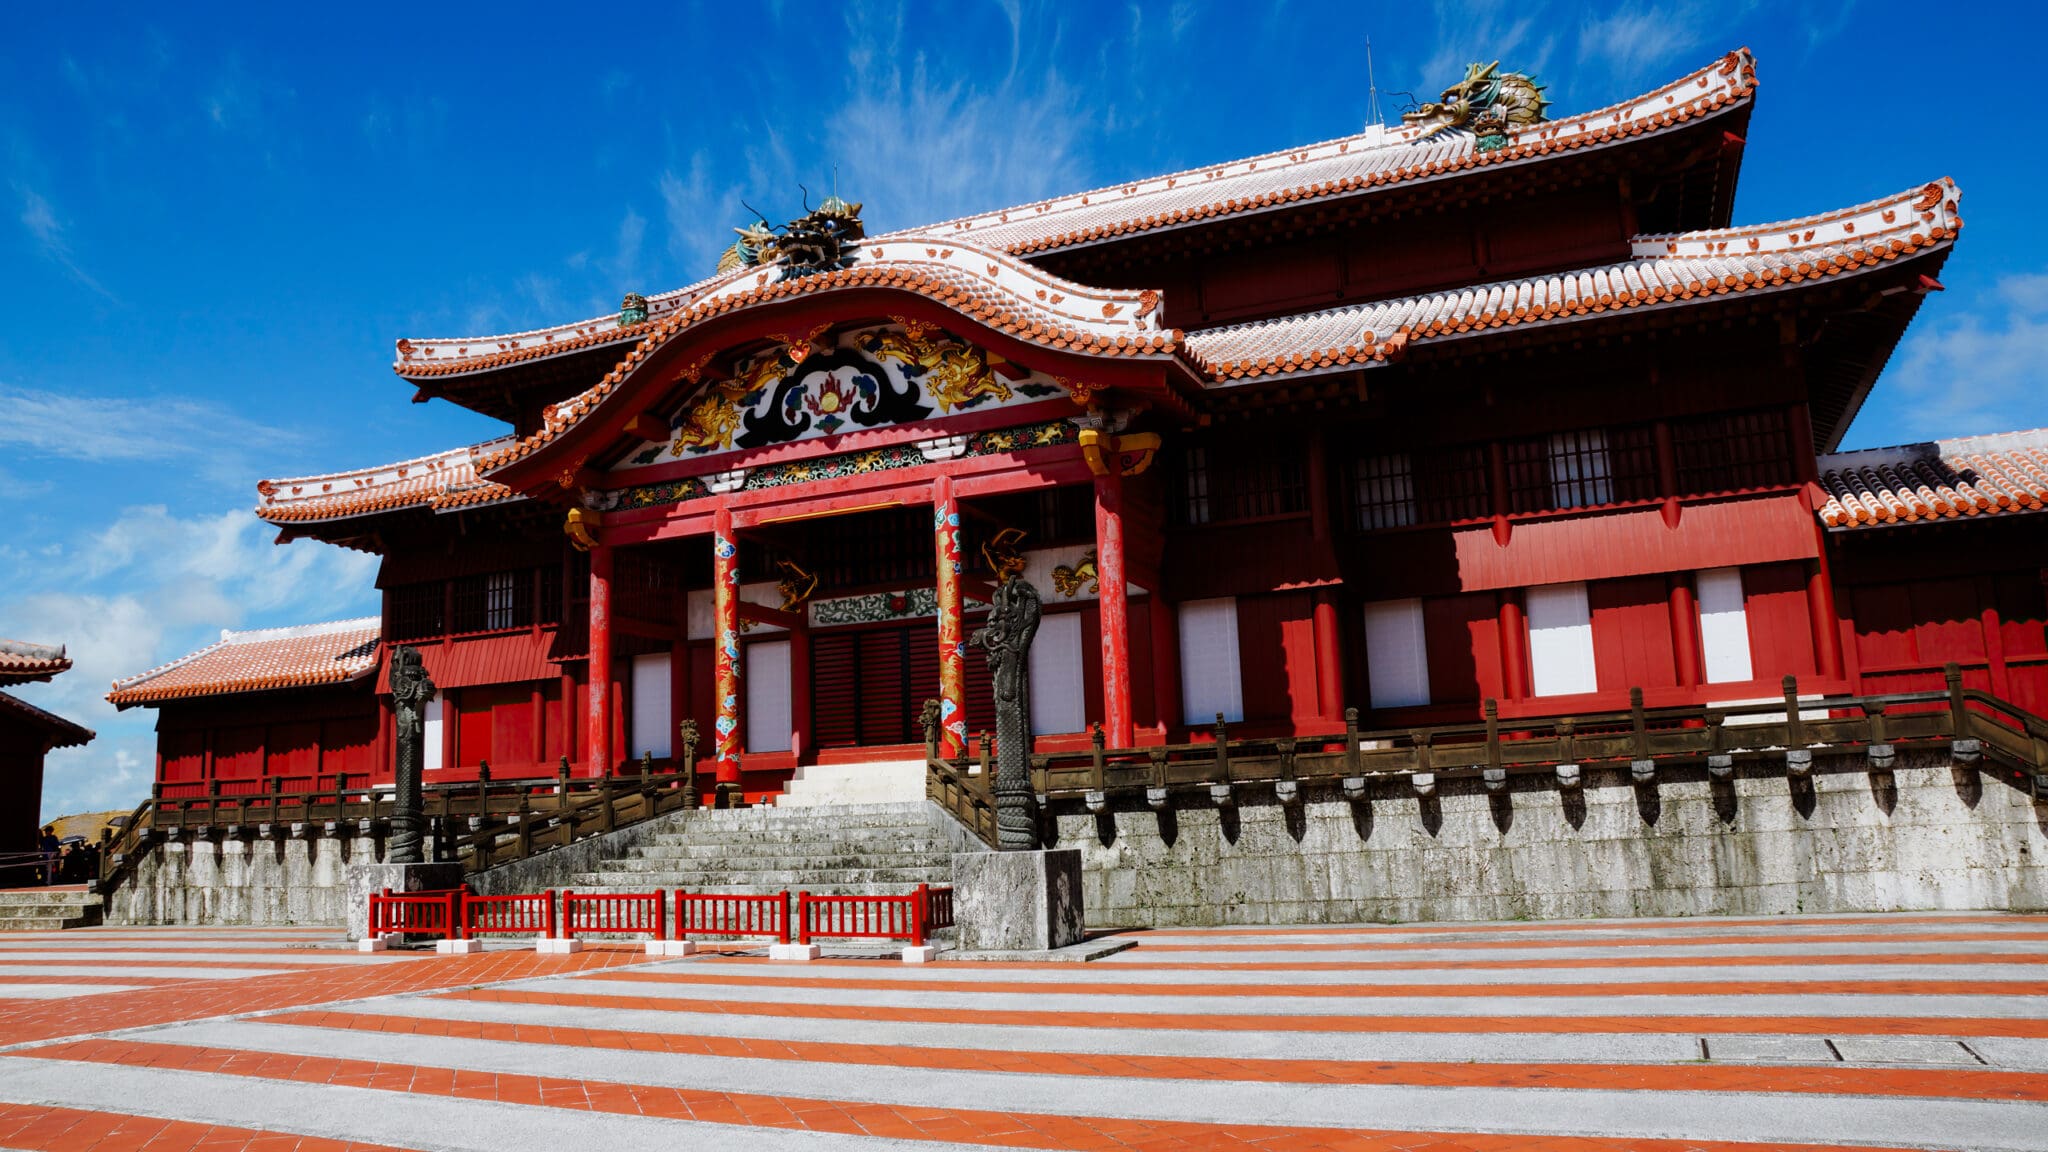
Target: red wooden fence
{"x":875,"y":917}
{"x":629,"y":912}
{"x":433,"y":913}
{"x":729,"y":915}
{"x":509,"y":915}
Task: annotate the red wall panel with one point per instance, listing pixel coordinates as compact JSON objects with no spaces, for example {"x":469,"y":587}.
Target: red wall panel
{"x":350,"y":745}
{"x":293,"y":750}
{"x":1884,"y":626}
{"x":1780,"y":627}
{"x":1947,"y":621}
{"x":184,"y":755}
{"x":1632,"y":633}
{"x":238,"y":752}
{"x":1463,"y":633}
{"x":473,"y":725}
{"x":1276,"y":644}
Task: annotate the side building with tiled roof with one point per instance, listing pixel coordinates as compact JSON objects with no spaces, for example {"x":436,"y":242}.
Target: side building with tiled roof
{"x":1410,"y":422}
{"x":27,"y":735}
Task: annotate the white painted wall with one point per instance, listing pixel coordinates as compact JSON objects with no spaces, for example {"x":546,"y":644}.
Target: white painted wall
{"x":1561,"y":640}
{"x":1210,"y":680}
{"x":1396,"y":653}
{"x":432,"y":759}
{"x":1724,"y":626}
{"x":1058,"y":700}
{"x":649,"y":707}
{"x":766,"y":683}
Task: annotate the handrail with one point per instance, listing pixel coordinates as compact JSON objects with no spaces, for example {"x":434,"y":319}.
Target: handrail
{"x":1965,"y":718}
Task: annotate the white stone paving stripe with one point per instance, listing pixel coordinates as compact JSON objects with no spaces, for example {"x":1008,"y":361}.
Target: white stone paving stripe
{"x":1264,"y":978}
{"x":140,"y":969}
{"x":399,"y":1120}
{"x":1081,"y":1005}
{"x":307,"y":959}
{"x":62,"y":991}
{"x":1366,"y":952}
{"x":1792,"y":1118}
{"x":1523,"y":1048}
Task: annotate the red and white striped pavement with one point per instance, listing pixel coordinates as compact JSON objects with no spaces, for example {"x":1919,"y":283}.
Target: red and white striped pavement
{"x":1917,"y":1031}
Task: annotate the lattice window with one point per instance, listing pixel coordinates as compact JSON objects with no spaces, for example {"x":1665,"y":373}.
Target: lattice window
{"x":1632,"y":462}
{"x":1579,"y":471}
{"x":888,"y":547}
{"x":494,"y":601}
{"x":501,"y":599}
{"x":1734,"y":450}
{"x":1243,"y":478}
{"x":1384,"y":487}
{"x":551,"y":594}
{"x":1452,"y":484}
{"x":416,"y":611}
{"x":1195,"y":495}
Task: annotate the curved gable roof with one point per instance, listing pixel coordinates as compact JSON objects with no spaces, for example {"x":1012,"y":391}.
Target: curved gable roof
{"x":260,"y":660}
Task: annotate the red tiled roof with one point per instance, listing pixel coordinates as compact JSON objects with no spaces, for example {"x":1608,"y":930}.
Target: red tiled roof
{"x":260,"y":660}
{"x":1942,"y":480}
{"x":1351,"y":165}
{"x":1666,"y":269}
{"x":444,"y":481}
{"x":63,"y":733}
{"x":21,"y":661}
{"x":993,"y":288}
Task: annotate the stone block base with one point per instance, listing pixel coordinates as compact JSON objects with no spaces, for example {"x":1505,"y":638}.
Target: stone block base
{"x":920,"y":954}
{"x":377,"y":945}
{"x":366,"y":879}
{"x":671,"y":948}
{"x":1017,"y":901}
{"x":458,"y":947}
{"x":794,"y":951}
{"x":557,"y":947}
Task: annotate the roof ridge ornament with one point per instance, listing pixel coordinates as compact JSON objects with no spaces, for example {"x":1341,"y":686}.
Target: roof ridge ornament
{"x":1488,"y":103}
{"x":824,"y":239}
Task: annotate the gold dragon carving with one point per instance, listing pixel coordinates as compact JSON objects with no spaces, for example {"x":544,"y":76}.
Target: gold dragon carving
{"x":954,"y":373}
{"x":711,"y":420}
{"x":1067,"y":581}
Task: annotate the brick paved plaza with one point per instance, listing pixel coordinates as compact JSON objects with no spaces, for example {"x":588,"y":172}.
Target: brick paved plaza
{"x":1839,"y":1032}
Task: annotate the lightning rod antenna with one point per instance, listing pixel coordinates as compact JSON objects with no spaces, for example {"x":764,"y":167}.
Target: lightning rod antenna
{"x":1372,"y":90}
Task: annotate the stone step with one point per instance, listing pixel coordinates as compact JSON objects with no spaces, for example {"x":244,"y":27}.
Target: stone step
{"x":781,"y":862}
{"x":911,"y":808}
{"x":49,"y":921}
{"x":877,"y":823}
{"x":795,"y":846}
{"x":773,"y":879}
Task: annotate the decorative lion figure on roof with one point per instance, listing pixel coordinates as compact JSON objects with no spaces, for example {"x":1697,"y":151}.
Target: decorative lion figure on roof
{"x":1487,"y":103}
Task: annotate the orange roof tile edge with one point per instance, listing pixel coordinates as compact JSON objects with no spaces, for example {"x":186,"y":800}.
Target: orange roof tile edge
{"x":1376,"y":154}
{"x":260,"y":660}
{"x":445,"y":480}
{"x":22,"y":661}
{"x":1929,"y":483}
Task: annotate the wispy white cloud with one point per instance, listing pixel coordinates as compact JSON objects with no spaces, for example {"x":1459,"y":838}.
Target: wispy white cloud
{"x":1976,"y":372}
{"x":131,"y":429}
{"x":144,"y":589}
{"x":50,"y":234}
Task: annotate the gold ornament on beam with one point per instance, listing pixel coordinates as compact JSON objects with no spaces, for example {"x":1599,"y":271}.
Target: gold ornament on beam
{"x":1001,"y":552}
{"x":796,"y":585}
{"x":581,"y":528}
{"x":1067,"y":581}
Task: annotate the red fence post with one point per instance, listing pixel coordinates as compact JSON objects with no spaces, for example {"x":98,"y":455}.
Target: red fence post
{"x":917,"y":917}
{"x":783,"y":925}
{"x":803,"y":917}
{"x":660,"y":914}
{"x":568,"y":914}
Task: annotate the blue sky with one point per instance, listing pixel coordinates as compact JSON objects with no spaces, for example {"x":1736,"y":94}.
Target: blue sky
{"x":213,"y":225}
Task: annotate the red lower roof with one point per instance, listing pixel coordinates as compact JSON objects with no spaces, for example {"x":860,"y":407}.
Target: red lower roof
{"x":21,"y":662}
{"x":259,"y":661}
{"x":63,"y":733}
{"x":1942,"y":480}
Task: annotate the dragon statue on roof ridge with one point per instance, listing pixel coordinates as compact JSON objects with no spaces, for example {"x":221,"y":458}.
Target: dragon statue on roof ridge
{"x":1488,"y":103}
{"x":823,"y":239}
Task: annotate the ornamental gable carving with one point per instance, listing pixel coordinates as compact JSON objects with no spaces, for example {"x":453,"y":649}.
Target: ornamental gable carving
{"x":808,"y":389}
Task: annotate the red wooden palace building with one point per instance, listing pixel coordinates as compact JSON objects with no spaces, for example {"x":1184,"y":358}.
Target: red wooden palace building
{"x":1404,"y":421}
{"x":27,"y":734}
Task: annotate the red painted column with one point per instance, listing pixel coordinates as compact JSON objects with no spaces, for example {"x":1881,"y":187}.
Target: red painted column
{"x":597,"y":718}
{"x":1114,"y":605}
{"x":952,"y":640}
{"x":1514,"y":647}
{"x":1329,"y":658}
{"x":1685,"y":630}
{"x":1820,"y":607}
{"x":725,"y":586}
{"x":1165,"y":661}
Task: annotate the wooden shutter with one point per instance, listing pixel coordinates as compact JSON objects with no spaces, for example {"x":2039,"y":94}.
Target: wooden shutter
{"x":766,"y":684}
{"x":835,"y":691}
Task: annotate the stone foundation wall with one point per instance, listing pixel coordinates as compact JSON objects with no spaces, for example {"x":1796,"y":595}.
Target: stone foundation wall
{"x":1925,"y":834}
{"x":244,"y":879}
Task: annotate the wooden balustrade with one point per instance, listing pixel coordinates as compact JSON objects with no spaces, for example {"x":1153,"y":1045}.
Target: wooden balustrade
{"x":1966,"y":721}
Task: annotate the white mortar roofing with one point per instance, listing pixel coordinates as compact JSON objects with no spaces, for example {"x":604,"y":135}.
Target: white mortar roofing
{"x":443,"y":481}
{"x":1348,"y":166}
{"x":259,"y":660}
{"x":1942,"y":480}
{"x":1667,"y":270}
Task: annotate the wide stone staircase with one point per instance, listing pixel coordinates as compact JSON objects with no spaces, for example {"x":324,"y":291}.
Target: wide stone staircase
{"x":48,"y":909}
{"x":836,"y":850}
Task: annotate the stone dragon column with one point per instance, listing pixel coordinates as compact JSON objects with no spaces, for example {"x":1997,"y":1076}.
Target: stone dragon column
{"x":1006,"y":639}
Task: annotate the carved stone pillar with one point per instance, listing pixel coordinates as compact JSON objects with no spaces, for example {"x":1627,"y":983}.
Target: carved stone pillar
{"x":1006,"y":639}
